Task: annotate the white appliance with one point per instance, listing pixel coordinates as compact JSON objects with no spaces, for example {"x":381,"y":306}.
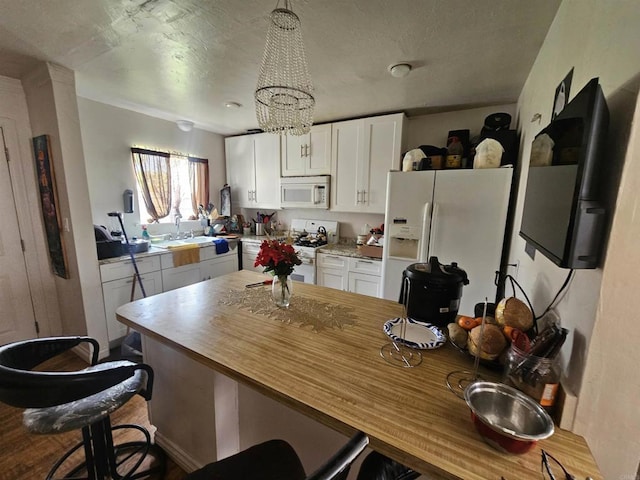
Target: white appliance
{"x":303,"y":232}
{"x":455,"y":215}
{"x":305,"y":192}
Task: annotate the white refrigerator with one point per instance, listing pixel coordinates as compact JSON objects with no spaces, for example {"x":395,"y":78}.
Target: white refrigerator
{"x":456,"y":215}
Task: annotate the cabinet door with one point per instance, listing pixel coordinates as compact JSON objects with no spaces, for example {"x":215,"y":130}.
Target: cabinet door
{"x":240,"y":170}
{"x":364,"y":284}
{"x":347,"y":155}
{"x":248,"y":261}
{"x":332,"y":277}
{"x":267,"y":170}
{"x":293,"y":158}
{"x":177,"y":277}
{"x":219,"y":266}
{"x":382,"y":152}
{"x":467,"y":226}
{"x":318,"y":150}
{"x":308,"y":154}
{"x":118,"y":292}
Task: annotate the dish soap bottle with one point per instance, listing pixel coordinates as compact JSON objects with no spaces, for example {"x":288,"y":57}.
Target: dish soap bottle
{"x":145,"y":234}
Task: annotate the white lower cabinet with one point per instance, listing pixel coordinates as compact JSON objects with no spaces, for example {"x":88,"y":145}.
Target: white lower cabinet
{"x":117,"y":287}
{"x":177,"y":277}
{"x":158,"y":275}
{"x":350,"y":274}
{"x":219,"y":266}
{"x":249,"y":253}
{"x":210,"y":266}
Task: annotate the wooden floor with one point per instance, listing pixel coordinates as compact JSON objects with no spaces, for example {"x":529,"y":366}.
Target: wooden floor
{"x":25,"y":456}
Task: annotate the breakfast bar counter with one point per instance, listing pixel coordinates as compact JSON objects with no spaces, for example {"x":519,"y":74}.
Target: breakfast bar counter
{"x":321,"y":357}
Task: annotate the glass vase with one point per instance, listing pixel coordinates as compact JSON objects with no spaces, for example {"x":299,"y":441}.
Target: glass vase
{"x":281,"y":290}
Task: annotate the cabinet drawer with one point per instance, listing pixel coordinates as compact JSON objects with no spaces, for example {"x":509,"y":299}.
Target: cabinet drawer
{"x":369,"y":267}
{"x":364,"y":284}
{"x":332,"y":261}
{"x":123,"y":269}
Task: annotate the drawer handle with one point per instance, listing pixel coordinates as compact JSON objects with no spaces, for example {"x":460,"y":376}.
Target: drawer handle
{"x":131,"y":281}
{"x":368,"y":262}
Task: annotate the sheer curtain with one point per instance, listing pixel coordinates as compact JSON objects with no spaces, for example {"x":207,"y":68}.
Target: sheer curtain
{"x":153,"y":174}
{"x":199,"y":181}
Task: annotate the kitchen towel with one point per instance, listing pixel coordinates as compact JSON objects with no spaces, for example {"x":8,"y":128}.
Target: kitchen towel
{"x":222,"y":246}
{"x":185,"y":254}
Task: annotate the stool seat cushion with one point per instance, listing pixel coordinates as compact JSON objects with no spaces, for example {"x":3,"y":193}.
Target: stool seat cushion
{"x":86,"y":411}
{"x":271,"y":460}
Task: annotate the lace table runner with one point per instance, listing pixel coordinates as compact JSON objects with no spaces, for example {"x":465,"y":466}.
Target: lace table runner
{"x":306,"y":311}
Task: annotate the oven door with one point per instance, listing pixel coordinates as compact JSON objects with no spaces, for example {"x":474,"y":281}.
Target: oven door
{"x":307,"y":271}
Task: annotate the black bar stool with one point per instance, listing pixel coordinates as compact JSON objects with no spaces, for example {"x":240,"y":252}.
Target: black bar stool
{"x":58,"y":402}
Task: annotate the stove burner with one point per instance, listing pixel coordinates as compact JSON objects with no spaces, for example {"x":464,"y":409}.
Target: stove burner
{"x":309,"y":242}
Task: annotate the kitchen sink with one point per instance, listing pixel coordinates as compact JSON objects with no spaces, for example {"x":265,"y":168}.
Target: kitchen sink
{"x":184,"y":241}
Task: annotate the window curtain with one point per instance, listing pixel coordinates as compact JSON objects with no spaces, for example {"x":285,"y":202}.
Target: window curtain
{"x":153,"y":174}
{"x":199,"y":181}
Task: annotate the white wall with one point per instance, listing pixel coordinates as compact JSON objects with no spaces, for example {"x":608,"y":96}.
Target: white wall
{"x":51,"y":100}
{"x":598,"y":38}
{"x":108,"y":133}
{"x":433,"y":129}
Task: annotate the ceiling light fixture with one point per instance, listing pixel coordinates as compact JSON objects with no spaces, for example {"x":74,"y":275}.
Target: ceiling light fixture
{"x":232,"y":105}
{"x":185,"y":125}
{"x":284,"y":94}
{"x":400,"y":70}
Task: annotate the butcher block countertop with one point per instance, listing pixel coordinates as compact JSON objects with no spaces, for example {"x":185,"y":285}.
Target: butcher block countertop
{"x":322,"y":357}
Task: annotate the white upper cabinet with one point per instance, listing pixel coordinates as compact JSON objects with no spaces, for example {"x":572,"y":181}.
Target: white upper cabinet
{"x":267,"y":170}
{"x":309,"y":154}
{"x":253,"y":170}
{"x":363,"y":151}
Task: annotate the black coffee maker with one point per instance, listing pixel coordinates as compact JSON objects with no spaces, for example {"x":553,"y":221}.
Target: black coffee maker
{"x":432,"y":291}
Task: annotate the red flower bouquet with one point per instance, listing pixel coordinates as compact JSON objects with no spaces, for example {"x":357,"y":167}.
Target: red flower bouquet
{"x":278,"y":258}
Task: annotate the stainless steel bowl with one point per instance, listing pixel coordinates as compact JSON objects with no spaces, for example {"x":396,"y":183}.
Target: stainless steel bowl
{"x":507,"y":418}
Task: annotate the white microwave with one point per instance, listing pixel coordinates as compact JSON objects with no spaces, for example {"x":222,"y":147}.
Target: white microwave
{"x":305,"y":192}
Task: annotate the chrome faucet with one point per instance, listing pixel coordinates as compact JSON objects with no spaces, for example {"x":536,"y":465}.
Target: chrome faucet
{"x":177,"y":222}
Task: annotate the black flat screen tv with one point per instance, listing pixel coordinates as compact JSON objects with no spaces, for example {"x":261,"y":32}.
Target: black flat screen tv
{"x":564,"y":216}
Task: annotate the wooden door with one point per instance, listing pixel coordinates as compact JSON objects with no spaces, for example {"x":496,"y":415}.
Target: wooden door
{"x":17,"y":321}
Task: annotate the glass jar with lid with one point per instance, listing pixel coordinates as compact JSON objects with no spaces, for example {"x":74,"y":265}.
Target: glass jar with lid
{"x":538,"y":377}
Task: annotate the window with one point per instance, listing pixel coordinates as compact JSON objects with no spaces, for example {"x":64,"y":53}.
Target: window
{"x":169,"y":184}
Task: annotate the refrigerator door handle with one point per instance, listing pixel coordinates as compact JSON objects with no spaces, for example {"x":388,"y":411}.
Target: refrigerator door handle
{"x":426,"y":230}
{"x":432,"y":236}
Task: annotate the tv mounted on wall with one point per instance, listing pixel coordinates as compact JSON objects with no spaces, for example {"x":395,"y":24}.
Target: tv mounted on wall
{"x":563,"y":214}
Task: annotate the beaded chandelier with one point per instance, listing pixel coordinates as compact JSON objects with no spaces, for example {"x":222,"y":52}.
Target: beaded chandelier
{"x":284,"y":94}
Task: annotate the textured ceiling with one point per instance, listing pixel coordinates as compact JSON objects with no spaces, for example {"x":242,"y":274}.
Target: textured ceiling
{"x":183,"y":59}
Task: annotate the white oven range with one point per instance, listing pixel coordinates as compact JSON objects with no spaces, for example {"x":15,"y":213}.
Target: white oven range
{"x":306,"y":237}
